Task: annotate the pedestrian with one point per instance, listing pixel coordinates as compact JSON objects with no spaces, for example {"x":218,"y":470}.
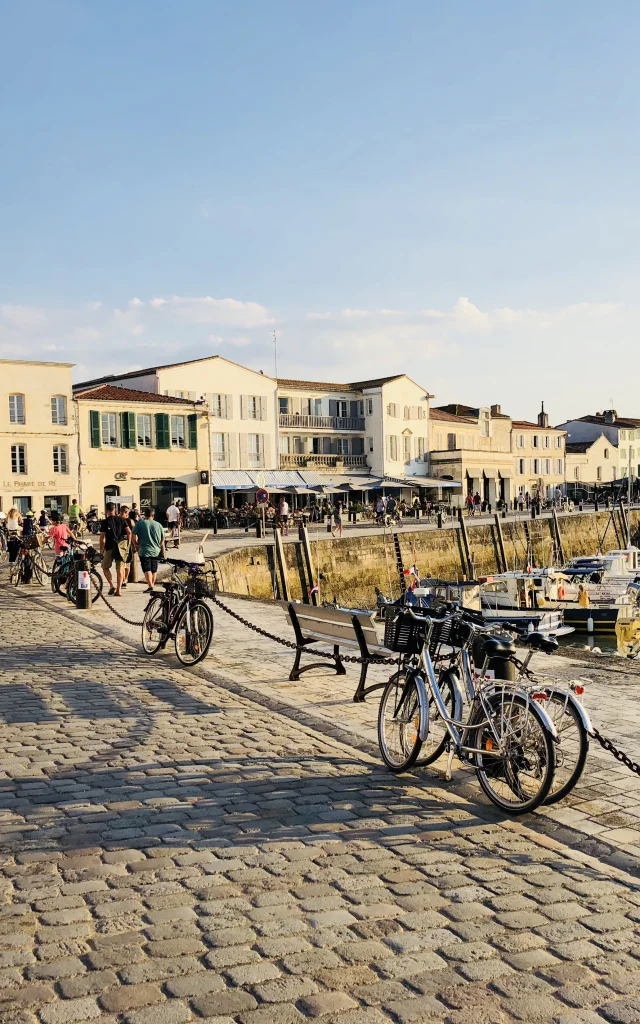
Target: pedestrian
{"x":148,"y":537}
{"x":284,"y":516}
{"x":527,"y":500}
{"x":469,"y":504}
{"x":477,"y":502}
{"x":337,"y":519}
{"x":134,"y":512}
{"x":75,"y":515}
{"x":115,"y":538}
{"x":380,"y":509}
{"x":44,"y":521}
{"x":60,"y":534}
{"x":13,"y":524}
{"x":173,"y":522}
{"x":126,"y":566}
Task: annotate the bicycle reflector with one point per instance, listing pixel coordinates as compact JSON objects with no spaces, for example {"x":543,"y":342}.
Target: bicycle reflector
{"x":578,"y":689}
{"x":539,"y":696}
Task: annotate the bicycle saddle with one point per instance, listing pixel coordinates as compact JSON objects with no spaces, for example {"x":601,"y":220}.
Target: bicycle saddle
{"x":539,"y":642}
{"x":498,"y":647}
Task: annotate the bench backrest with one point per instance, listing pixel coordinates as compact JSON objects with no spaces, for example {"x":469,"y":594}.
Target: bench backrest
{"x":336,"y":624}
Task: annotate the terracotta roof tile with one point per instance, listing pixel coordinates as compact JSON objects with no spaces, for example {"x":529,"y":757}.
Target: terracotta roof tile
{"x":110,"y":393}
{"x":449,"y":417}
{"x":620,"y":421}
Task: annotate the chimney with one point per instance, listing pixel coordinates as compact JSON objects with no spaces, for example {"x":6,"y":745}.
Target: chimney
{"x":495,"y":410}
{"x":543,"y":418}
{"x":610,"y":415}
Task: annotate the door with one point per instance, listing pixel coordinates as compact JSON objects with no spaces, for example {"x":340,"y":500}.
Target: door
{"x":160,"y":494}
{"x":111,"y":491}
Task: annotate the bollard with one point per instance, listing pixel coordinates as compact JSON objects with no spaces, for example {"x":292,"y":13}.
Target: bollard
{"x":595,"y":506}
{"x":504,"y":512}
{"x":328,"y":524}
{"x":533,"y":511}
{"x":417,"y":512}
{"x":580,"y":507}
{"x":83,"y":584}
{"x":215,"y":524}
{"x":439,"y":520}
{"x":258,"y":529}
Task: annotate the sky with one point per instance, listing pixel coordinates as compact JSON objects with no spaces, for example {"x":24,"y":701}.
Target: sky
{"x":443,"y":189}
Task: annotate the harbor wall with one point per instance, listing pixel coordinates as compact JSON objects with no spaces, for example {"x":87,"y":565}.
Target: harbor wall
{"x":350,"y":569}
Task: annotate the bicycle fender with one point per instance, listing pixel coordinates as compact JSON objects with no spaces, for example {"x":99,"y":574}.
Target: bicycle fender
{"x":424,"y":707}
{"x":458,"y":694}
{"x":548,"y":724}
{"x":575,"y":703}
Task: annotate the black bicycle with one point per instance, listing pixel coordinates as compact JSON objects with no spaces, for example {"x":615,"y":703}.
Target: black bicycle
{"x":180,"y":613}
{"x":63,"y":570}
{"x":29,"y":564}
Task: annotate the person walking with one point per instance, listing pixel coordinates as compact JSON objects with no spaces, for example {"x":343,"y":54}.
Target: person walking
{"x":75,"y":515}
{"x":284,"y":516}
{"x":115,"y":538}
{"x":477,"y":502}
{"x":173,"y":522}
{"x":469,"y":504}
{"x":134,"y":512}
{"x":337,"y":519}
{"x":126,"y":565}
{"x":60,"y":534}
{"x":148,"y":538}
{"x":13,"y":524}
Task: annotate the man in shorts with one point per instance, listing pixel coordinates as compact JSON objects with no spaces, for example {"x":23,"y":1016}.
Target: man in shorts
{"x":114,"y":535}
{"x":148,"y":537}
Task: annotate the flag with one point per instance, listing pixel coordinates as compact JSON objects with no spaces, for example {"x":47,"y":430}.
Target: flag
{"x":414,"y":570}
{"x":314,"y":590}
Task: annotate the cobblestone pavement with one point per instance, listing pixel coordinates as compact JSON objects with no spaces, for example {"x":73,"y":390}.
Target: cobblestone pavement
{"x":601,"y":815}
{"x":173,"y":852}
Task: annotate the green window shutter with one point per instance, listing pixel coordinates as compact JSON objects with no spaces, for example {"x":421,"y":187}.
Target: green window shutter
{"x":94,"y":421}
{"x":131,"y":424}
{"x":162,"y":430}
{"x":193,"y":430}
{"x":124,"y":430}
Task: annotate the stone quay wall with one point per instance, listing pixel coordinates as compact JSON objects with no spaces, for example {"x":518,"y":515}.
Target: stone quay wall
{"x":350,"y":569}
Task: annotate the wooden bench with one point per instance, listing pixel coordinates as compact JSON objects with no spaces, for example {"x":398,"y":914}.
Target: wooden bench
{"x":340,"y":628}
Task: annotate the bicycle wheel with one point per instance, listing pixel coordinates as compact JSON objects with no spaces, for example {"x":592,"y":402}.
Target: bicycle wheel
{"x":96,"y":584}
{"x":400,"y":716}
{"x":15,"y":573}
{"x":39,"y":567}
{"x":194,"y":633}
{"x":573,"y":743}
{"x":436,"y":740}
{"x":152,"y":635}
{"x":520,"y":777}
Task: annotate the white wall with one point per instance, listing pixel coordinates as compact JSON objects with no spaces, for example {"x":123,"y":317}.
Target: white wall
{"x":403,"y":392}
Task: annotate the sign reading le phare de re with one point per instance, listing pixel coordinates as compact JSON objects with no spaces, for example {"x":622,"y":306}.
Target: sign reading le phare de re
{"x":15,"y":485}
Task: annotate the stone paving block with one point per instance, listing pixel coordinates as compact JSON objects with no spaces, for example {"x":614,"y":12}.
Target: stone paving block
{"x":231,"y":1002}
{"x":283,"y":1013}
{"x":88,"y":984}
{"x":33,"y":994}
{"x":70,"y":1010}
{"x":54,"y":970}
{"x":171,"y":1012}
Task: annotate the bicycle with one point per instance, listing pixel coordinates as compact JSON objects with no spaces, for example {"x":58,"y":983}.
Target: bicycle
{"x":506,"y":736}
{"x":63,"y":571}
{"x":180,"y":613}
{"x":29,"y":564}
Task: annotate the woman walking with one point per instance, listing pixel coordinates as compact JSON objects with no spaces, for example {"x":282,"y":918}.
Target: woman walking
{"x":13,"y":525}
{"x":337,"y":519}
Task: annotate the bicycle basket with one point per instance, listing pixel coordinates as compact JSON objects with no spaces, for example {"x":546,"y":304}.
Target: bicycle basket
{"x":402,"y":633}
{"x":31,"y":543}
{"x":200,"y":586}
{"x":451,"y":632}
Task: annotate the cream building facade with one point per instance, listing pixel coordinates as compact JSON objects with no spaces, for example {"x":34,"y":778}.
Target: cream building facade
{"x":622,"y":431}
{"x":472,"y":446}
{"x":592,"y":464}
{"x":142,"y":447}
{"x":539,"y":457}
{"x":38,"y":453}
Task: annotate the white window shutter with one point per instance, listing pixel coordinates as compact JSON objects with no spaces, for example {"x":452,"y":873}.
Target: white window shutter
{"x":233,"y":457}
{"x":192,"y":396}
{"x":263,"y":407}
{"x":227,"y":450}
{"x":295,"y":406}
{"x":265,"y":447}
{"x":243,"y":407}
{"x":242,"y":439}
{"x":228,"y":406}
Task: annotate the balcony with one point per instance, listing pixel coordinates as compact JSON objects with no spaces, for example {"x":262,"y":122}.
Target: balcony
{"x":298,"y":422}
{"x":324,"y":463}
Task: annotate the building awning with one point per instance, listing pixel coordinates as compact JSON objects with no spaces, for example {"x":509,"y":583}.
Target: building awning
{"x":490,"y":473}
{"x":506,"y":474}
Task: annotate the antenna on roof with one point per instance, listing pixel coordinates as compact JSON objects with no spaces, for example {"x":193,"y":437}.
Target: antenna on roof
{"x":275,"y":353}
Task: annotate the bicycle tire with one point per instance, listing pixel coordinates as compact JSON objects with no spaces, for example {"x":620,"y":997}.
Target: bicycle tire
{"x":15,"y":573}
{"x":39,"y":568}
{"x":152,"y":639}
{"x":570,"y":758}
{"x":438,"y":734}
{"x":507,"y":772}
{"x":192,"y":647}
{"x":404,"y":753}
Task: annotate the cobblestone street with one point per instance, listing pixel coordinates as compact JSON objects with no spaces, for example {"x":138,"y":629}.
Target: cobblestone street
{"x":175,"y":851}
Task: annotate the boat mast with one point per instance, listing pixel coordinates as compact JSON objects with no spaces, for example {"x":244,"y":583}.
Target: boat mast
{"x":629,"y":500}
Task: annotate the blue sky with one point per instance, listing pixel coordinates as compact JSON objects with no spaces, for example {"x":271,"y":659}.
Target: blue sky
{"x":448,"y":190}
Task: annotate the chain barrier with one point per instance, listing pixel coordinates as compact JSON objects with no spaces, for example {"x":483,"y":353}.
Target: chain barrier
{"x":619,"y":755}
{"x":130,"y":622}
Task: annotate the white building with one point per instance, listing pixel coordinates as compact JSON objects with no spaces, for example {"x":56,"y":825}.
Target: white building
{"x":622,"y":431}
{"x":297,"y":434}
{"x":591,"y":464}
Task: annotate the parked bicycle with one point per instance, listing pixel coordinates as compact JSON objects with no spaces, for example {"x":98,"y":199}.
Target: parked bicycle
{"x":29,"y":564}
{"x":503,"y":732}
{"x":63,"y":570}
{"x":180,"y":613}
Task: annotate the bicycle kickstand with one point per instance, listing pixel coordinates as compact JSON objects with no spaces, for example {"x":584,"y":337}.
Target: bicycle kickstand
{"x":450,"y":757}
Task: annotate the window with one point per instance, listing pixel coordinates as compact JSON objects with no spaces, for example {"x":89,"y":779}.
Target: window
{"x":606,"y":453}
{"x":406,"y":442}
{"x":522,"y":466}
{"x":16,"y":409}
{"x":623,"y":435}
{"x":298,"y":446}
{"x":484,"y":424}
{"x":177,"y":432}
{"x":369,"y":444}
{"x":451,"y":442}
{"x":623,"y":454}
{"x":535,"y":441}
{"x":317,"y":407}
{"x":253,"y":407}
{"x":369,"y":406}
{"x":217,"y":447}
{"x":407,"y":413}
{"x":536,"y":466}
{"x":599,"y":473}
{"x":59,"y":410}
{"x":559,"y":467}
{"x":420,"y":448}
{"x":60,"y":458}
{"x":547,"y":441}
{"x":360,"y":408}
{"x":392,"y":409}
{"x":422,"y":413}
{"x":219,"y":406}
{"x":305,"y":406}
{"x":343,"y":408}
{"x":144,"y":430}
{"x":283,"y":406}
{"x":393,"y":448}
{"x":520,"y":441}
{"x":253,"y":449}
{"x":109,"y":429}
{"x":576,"y":472}
{"x":558,"y":440}
{"x":342,"y":446}
{"x":18,"y":458}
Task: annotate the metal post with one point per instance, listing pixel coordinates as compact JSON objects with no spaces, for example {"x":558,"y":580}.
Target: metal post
{"x":439,"y":520}
{"x":558,"y":537}
{"x":468,"y":567}
{"x":503,"y":558}
{"x":328,"y":524}
{"x":306,"y":553}
{"x":258,"y":529}
{"x":83,"y":584}
{"x":282,"y":566}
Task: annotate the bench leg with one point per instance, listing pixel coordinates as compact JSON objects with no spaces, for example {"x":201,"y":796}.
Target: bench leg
{"x":294,"y":674}
{"x":359,"y":695}
{"x":340,"y":669}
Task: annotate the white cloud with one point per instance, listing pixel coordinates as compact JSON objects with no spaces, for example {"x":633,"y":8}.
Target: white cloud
{"x":320,"y":316}
{"x":207,"y":310}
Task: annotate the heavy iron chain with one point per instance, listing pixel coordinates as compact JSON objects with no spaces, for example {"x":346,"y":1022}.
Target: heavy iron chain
{"x":619,"y":755}
{"x":130,"y":622}
{"x":352,"y":659}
